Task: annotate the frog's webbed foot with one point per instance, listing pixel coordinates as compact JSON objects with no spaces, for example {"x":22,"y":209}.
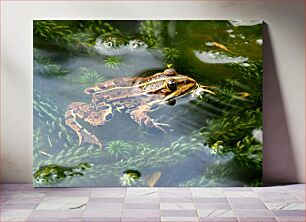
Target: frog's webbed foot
{"x":141,"y":116}
{"x":86,"y":137}
{"x":87,"y":113}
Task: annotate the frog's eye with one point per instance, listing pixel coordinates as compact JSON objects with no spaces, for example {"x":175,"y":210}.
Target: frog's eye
{"x":171,"y":84}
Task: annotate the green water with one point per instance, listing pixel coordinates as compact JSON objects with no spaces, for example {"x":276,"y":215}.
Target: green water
{"x":212,"y":140}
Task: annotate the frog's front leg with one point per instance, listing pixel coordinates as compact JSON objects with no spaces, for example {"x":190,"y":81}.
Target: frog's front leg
{"x":94,"y":116}
{"x":140,"y":115}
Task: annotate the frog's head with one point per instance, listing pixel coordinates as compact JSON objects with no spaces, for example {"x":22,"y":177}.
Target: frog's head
{"x":172,"y":85}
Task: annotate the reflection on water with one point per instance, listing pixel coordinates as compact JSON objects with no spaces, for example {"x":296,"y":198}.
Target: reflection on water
{"x":218,"y":57}
{"x":161,"y":132}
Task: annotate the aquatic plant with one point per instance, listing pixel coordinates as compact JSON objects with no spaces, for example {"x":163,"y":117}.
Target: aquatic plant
{"x":130,"y":177}
{"x":119,"y":149}
{"x":47,"y":114}
{"x":97,"y":27}
{"x":89,"y":77}
{"x":53,"y":174}
{"x":171,"y":53}
{"x":239,"y":113}
{"x":64,"y":36}
{"x":152,"y":32}
{"x":233,"y":113}
{"x":43,"y":65}
{"x":113,"y":62}
{"x":76,"y":37}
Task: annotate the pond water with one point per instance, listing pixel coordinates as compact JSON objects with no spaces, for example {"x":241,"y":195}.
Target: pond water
{"x":211,"y":139}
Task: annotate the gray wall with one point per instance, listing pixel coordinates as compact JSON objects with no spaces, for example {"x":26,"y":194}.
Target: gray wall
{"x":284,"y":63}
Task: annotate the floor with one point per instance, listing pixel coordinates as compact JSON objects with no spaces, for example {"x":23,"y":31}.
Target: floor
{"x":20,"y":202}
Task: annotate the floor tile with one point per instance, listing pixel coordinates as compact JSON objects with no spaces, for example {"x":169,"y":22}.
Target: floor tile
{"x":179,"y":219}
{"x":140,"y":219}
{"x":224,"y":205}
{"x":20,"y":206}
{"x":99,"y":205}
{"x":291,"y":219}
{"x":68,"y":193}
{"x":256,"y":219}
{"x":248,"y":206}
{"x":54,"y":219}
{"x":207,"y":192}
{"x":10,"y":186}
{"x":170,"y":193}
{"x":141,"y":206}
{"x":237,"y":189}
{"x":177,"y":206}
{"x":141,"y":192}
{"x":62,"y":203}
{"x":109,"y":193}
{"x":296,"y":187}
{"x":210,"y":200}
{"x":14,"y":214}
{"x":3,"y":200}
{"x":109,"y":188}
{"x":176,"y":200}
{"x":101,"y":219}
{"x":216,"y":213}
{"x":253,"y":213}
{"x":142,"y":200}
{"x":105,"y":200}
{"x":287,"y":194}
{"x":25,"y":200}
{"x":285,"y":206}
{"x":219,"y":219}
{"x":240,"y":194}
{"x":57,"y":213}
{"x":133,"y":213}
{"x":103,"y":213}
{"x":246,"y":200}
{"x":27,"y":194}
{"x":178,"y":213}
{"x":275,"y":189}
{"x":289,"y":213}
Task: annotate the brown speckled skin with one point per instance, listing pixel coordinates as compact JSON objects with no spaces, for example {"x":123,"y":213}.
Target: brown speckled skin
{"x":135,"y":96}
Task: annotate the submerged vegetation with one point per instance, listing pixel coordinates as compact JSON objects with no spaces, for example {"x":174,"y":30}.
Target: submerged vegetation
{"x":43,"y":65}
{"x":112,"y":62}
{"x":226,"y":146}
{"x":171,"y":53}
{"x":89,"y":77}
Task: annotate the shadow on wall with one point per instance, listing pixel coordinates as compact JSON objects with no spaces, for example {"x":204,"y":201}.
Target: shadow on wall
{"x":278,"y":160}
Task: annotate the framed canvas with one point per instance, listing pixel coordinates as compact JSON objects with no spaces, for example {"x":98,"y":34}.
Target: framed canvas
{"x":147,"y":103}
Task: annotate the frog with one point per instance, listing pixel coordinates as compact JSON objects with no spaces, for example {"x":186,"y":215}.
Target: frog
{"x":136,"y":96}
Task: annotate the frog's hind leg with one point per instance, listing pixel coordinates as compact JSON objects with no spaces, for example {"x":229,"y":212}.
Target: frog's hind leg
{"x":87,"y":113}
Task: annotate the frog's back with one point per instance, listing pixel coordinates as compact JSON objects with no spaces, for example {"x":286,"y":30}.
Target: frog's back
{"x":111,"y":84}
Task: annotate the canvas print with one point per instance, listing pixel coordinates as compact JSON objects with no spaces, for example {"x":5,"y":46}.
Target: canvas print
{"x":147,"y":103}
